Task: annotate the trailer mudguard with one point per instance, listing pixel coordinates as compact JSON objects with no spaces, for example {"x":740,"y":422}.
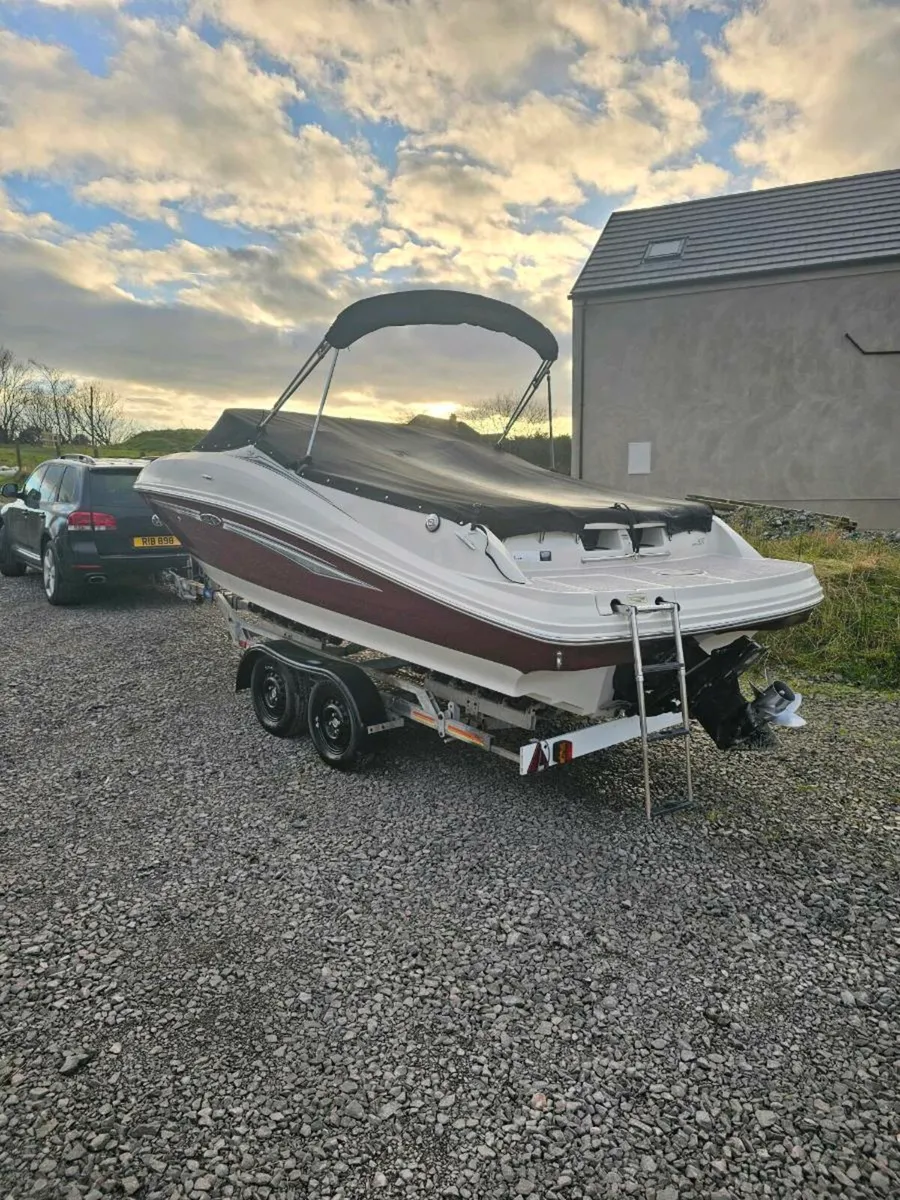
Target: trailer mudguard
{"x":368,"y":699}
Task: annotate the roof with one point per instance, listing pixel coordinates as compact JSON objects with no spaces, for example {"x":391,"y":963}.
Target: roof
{"x":416,"y":469}
{"x":450,"y":426}
{"x":807,"y":225}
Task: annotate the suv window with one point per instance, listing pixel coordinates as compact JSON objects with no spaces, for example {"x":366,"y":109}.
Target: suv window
{"x":31,"y":490}
{"x":114,"y":489}
{"x":50,"y":482}
{"x":68,"y":489}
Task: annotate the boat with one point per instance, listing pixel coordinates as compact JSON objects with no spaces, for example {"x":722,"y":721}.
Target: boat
{"x":458,"y":556}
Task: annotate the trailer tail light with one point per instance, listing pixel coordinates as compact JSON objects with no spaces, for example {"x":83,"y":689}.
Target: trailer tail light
{"x":563,"y":752}
{"x":96,"y":521}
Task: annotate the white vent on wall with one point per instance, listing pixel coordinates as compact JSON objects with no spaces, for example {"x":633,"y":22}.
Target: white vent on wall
{"x":671,"y":248}
{"x":639,"y":458}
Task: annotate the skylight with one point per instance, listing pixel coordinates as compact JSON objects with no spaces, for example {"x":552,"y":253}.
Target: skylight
{"x":671,"y":248}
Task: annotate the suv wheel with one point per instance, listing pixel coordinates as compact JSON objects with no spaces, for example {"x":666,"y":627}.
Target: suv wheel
{"x":58,"y":587}
{"x":9,"y":565}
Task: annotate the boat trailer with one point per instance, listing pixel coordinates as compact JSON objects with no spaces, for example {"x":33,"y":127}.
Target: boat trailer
{"x":347,"y":695}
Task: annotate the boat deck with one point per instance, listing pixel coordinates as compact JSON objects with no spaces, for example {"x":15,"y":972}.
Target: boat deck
{"x":704,"y":571}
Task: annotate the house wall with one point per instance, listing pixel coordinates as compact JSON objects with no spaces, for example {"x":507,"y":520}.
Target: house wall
{"x":747,"y":391}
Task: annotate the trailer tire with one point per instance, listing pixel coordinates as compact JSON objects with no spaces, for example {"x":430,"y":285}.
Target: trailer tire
{"x":278,"y":697}
{"x":335,"y":726}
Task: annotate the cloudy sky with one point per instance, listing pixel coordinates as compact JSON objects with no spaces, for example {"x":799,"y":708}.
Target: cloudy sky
{"x":191,"y":189}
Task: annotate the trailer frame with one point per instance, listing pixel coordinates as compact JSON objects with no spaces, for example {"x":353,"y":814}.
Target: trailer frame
{"x":410,"y":694}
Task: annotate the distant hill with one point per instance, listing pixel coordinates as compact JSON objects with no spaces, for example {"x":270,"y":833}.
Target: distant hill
{"x":154,"y":442}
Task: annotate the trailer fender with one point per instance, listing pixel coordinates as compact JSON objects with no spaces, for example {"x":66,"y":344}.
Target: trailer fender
{"x":366,"y":696}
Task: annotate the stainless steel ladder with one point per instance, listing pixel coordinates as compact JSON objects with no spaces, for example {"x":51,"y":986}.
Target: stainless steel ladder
{"x":683,"y":731}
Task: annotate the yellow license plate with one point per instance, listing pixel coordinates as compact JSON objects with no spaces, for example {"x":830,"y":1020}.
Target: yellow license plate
{"x":155,"y":543}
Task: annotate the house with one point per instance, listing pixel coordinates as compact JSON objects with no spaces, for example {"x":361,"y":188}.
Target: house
{"x":747,"y":346}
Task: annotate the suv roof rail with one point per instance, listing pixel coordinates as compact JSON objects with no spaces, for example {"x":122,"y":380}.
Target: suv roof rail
{"x":86,"y":458}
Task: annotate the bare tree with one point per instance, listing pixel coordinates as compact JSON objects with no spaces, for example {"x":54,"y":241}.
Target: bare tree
{"x":52,"y":403}
{"x":100,"y":416}
{"x":15,"y":393}
{"x":492,"y":414}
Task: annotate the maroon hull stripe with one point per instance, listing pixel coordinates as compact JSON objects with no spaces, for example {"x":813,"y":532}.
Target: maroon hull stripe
{"x":315,"y":576}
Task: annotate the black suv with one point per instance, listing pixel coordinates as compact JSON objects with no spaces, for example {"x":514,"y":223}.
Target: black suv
{"x":81,"y":522}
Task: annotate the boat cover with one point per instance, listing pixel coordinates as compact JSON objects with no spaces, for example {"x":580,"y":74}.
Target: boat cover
{"x":444,"y":474}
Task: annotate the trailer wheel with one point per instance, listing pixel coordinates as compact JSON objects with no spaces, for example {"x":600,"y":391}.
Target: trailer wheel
{"x":335,"y":727}
{"x":278,"y":698}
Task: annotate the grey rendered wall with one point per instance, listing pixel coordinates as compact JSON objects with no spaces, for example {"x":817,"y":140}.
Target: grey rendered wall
{"x":747,"y":391}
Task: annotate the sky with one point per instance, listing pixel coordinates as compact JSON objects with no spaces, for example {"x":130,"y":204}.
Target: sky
{"x":191,"y":190}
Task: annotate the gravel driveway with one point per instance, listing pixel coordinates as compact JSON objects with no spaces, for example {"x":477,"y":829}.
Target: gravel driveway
{"x":226,"y":971}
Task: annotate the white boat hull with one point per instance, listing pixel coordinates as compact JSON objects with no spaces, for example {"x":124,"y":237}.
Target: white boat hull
{"x":531,"y":616}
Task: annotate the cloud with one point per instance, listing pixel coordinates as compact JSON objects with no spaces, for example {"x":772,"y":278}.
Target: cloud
{"x":80,"y":4}
{"x":176,"y":121}
{"x":513,"y":116}
{"x":287,"y":282}
{"x":554,"y":147}
{"x":487,"y":202}
{"x":680,"y":183}
{"x":682,"y":7}
{"x":820,"y":80}
{"x":450,"y":224}
{"x":240,"y":324}
{"x":414,"y":62}
{"x":13,"y":220}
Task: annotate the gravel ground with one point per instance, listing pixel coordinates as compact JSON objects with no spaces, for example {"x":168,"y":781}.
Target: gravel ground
{"x":225,"y":971}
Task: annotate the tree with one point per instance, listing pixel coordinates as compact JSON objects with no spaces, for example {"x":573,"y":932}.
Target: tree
{"x":51,"y":404}
{"x":529,"y":438}
{"x":100,"y":416}
{"x":492,"y":414}
{"x":15,"y":393}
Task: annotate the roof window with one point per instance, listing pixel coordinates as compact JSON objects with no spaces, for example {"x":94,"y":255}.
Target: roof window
{"x":670,"y":248}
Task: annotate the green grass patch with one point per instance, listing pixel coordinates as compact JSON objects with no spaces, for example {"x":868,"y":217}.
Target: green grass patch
{"x":154,"y":442}
{"x":150,"y":444}
{"x":854,"y":634}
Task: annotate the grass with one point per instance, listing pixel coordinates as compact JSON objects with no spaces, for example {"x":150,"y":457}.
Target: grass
{"x":854,"y":634}
{"x":149,"y":444}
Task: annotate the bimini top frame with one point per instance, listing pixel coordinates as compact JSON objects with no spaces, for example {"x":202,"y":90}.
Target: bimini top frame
{"x":427,"y":307}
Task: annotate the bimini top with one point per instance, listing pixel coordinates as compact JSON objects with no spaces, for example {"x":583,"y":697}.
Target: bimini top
{"x":440,"y":473}
{"x":436,"y":307}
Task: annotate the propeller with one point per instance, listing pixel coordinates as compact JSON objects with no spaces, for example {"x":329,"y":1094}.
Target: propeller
{"x":778,"y":704}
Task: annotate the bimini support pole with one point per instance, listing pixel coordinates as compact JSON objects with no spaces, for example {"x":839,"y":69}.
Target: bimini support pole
{"x":550,"y":423}
{"x":315,"y":428}
{"x":305,"y":371}
{"x":542,"y":371}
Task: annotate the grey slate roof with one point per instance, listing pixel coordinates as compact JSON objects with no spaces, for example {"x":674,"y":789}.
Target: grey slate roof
{"x":855,"y":219}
